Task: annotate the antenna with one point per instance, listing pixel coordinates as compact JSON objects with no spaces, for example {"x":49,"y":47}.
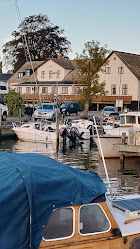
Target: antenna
{"x":25,"y":39}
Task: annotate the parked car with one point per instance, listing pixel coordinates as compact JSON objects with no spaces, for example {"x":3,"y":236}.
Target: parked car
{"x":4,"y":109}
{"x":69,"y":108}
{"x":46,"y":111}
{"x":3,"y":106}
{"x":108,"y":110}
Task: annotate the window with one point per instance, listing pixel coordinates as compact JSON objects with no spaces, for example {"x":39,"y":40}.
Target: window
{"x":27,"y":72}
{"x":55,"y":90}
{"x":124,"y":89}
{"x":2,"y":87}
{"x":113,"y":89}
{"x":58,"y":74}
{"x":64,"y":90}
{"x":51,"y":74}
{"x":60,"y":225}
{"x":28,"y":89}
{"x":131,"y":119}
{"x":122,"y":120}
{"x":42,"y":74}
{"x":107,"y":70}
{"x":19,"y":89}
{"x":44,"y":89}
{"x":20,"y":74}
{"x":120,"y":70}
{"x":92,"y":219}
{"x":135,"y":244}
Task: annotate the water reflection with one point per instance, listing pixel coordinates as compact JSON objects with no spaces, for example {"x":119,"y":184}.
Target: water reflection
{"x":85,"y":156}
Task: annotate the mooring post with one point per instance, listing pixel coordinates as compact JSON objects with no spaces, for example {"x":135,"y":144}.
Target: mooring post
{"x":0,"y":121}
{"x":123,"y":137}
{"x":122,"y":162}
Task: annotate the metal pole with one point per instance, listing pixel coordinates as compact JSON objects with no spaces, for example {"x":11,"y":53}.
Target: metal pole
{"x":57,"y":119}
{"x":0,"y":121}
{"x":100,"y":147}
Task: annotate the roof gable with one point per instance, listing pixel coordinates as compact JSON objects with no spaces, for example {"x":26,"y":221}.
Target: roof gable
{"x":66,"y":64}
{"x":132,"y":61}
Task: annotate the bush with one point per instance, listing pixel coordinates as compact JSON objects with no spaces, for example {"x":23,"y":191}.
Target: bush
{"x":82,"y":102}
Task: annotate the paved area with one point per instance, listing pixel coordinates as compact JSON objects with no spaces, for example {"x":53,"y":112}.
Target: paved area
{"x":74,"y":116}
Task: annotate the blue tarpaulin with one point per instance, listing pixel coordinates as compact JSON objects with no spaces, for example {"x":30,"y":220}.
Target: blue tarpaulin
{"x":31,"y":186}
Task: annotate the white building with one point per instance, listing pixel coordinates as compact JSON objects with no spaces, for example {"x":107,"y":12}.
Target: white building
{"x":121,"y":73}
{"x":50,"y":77}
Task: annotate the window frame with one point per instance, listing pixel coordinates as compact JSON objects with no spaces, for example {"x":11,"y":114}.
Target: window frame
{"x":120,"y":70}
{"x":51,"y":73}
{"x":133,"y":241}
{"x":107,"y":70}
{"x":28,"y":73}
{"x":68,"y":237}
{"x":58,"y":74}
{"x":94,"y":232}
{"x":43,"y":74}
{"x":19,"y":87}
{"x":63,"y":89}
{"x":45,"y":87}
{"x":20,"y":75}
{"x":124,"y":89}
{"x":28,"y":87}
{"x":112,"y":88}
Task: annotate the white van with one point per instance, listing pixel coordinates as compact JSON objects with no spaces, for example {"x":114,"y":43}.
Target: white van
{"x":3,"y":106}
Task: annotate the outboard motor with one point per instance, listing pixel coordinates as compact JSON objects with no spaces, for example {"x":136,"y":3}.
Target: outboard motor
{"x":63,"y":132}
{"x":74,"y":134}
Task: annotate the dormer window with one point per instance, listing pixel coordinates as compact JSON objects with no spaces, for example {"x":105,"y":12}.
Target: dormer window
{"x":20,"y":74}
{"x":27,"y":72}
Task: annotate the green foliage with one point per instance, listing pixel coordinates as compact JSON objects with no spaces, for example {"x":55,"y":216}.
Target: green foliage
{"x":89,"y":65}
{"x":82,"y":102}
{"x":14,"y":102}
{"x":44,"y":39}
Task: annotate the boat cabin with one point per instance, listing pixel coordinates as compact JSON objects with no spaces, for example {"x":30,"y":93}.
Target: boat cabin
{"x":130,"y":119}
{"x":45,"y":204}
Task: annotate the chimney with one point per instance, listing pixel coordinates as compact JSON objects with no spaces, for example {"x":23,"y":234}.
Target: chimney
{"x":59,"y":57}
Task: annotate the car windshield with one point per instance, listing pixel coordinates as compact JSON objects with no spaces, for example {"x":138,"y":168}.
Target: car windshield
{"x":46,"y":107}
{"x":109,"y":109}
{"x":65,"y":105}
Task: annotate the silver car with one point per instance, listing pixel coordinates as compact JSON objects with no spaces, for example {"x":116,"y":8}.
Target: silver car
{"x":46,"y":111}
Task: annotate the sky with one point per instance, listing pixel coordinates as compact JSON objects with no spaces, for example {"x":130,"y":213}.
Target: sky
{"x":115,"y":23}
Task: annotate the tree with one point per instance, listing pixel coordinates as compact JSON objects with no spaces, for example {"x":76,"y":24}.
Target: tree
{"x":89,"y":63}
{"x":14,"y":102}
{"x":44,"y":40}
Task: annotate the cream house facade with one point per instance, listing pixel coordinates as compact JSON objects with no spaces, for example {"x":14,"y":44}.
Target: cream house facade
{"x":50,"y":78}
{"x":121,"y":74}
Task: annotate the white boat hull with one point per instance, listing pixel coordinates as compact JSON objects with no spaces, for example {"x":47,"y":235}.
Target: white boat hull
{"x":35,"y":135}
{"x":108,"y":146}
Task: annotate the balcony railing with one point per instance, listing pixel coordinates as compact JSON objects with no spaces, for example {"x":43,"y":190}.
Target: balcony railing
{"x":35,"y":98}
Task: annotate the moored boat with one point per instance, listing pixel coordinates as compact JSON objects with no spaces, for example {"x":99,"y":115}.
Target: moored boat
{"x":51,"y":205}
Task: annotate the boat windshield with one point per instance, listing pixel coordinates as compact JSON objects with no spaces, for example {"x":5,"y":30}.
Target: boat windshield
{"x":46,"y":107}
{"x":65,"y":105}
{"x":130,"y":119}
{"x":60,"y":224}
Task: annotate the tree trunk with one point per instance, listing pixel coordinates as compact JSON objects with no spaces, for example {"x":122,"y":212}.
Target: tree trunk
{"x":86,"y":107}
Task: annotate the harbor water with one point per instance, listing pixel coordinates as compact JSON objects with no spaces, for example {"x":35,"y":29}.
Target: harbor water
{"x":85,"y":156}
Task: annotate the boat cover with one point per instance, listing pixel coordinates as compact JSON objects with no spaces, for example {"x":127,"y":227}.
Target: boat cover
{"x":31,"y":186}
